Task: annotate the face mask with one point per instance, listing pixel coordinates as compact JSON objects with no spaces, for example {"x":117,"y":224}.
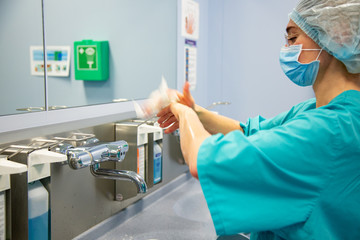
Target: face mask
{"x":302,"y":74}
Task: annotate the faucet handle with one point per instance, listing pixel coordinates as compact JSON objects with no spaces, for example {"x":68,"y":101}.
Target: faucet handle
{"x":63,"y":147}
{"x":116,"y":151}
{"x":81,"y":157}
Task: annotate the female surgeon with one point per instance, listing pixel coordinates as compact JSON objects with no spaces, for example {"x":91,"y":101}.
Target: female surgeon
{"x":297,"y":175}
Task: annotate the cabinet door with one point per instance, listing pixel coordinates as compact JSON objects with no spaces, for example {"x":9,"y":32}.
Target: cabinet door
{"x":142,"y":47}
{"x":21,"y":70}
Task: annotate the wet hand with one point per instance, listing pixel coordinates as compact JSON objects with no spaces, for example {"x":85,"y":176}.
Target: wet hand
{"x":168,"y":120}
{"x":186,"y":98}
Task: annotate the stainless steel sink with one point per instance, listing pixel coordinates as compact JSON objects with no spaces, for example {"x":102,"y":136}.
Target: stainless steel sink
{"x":192,"y":206}
{"x":180,"y":213}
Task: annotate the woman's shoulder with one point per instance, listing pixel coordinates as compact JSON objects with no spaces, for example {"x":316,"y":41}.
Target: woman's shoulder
{"x":344,"y":106}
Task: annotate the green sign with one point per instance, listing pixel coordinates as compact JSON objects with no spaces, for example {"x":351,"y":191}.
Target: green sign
{"x":87,"y":57}
{"x":91,"y":60}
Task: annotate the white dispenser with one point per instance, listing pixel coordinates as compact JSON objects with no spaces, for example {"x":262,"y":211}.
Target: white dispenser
{"x":38,"y":197}
{"x":38,"y":211}
{"x":136,"y":157}
{"x":6,"y":168}
{"x":39,"y":163}
{"x":140,"y":157}
{"x":154,"y":162}
{"x":2,"y":216}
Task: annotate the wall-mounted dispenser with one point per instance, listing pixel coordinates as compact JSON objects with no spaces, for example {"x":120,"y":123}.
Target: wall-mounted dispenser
{"x":34,"y":161}
{"x":2,"y":216}
{"x":6,"y":169}
{"x":140,"y":157}
{"x":155,"y":159}
{"x":91,"y":60}
{"x":39,"y":163}
{"x":38,"y":198}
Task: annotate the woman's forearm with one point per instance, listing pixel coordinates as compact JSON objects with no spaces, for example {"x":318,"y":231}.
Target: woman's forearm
{"x":215,"y":123}
{"x":192,"y":134}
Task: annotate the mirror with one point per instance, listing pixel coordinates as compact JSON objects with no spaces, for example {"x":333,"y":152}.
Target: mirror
{"x":142,"y":47}
{"x":21,"y":28}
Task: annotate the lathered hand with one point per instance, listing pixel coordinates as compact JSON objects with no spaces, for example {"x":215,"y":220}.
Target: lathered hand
{"x":167,"y":118}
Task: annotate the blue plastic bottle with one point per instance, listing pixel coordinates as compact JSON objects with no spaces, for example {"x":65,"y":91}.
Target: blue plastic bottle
{"x":38,"y":211}
{"x":157,"y":163}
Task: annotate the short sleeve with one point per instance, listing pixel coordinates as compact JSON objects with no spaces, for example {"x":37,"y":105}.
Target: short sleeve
{"x":268,"y":180}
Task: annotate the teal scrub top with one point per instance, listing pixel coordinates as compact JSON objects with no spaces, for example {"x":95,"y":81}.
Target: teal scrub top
{"x":295,"y":176}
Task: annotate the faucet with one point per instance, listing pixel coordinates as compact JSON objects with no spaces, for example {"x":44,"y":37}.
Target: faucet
{"x":84,"y":156}
{"x":120,"y":175}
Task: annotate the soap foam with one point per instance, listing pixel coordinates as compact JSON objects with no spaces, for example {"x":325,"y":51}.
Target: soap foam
{"x":157,"y":100}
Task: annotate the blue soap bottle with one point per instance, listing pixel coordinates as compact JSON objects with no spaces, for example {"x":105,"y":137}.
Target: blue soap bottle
{"x":38,"y":211}
{"x":157,"y":163}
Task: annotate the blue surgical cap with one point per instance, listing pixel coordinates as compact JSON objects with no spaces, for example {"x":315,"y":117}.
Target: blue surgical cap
{"x":334,"y":25}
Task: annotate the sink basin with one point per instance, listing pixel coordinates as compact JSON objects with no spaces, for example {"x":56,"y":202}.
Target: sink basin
{"x":193,"y":206}
{"x":179,"y":214}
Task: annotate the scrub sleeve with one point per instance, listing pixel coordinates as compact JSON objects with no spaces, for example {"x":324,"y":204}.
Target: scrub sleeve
{"x":271,"y":176}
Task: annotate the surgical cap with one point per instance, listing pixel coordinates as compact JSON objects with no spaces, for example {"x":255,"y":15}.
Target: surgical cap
{"x":334,"y":25}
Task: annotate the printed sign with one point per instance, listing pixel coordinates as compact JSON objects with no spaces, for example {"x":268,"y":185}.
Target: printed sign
{"x":87,"y":57}
{"x":190,"y":19}
{"x":190,"y":63}
{"x":57,"y":61}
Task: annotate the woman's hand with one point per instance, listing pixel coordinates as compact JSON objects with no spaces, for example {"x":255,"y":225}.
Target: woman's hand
{"x":186,"y":98}
{"x":192,"y":133}
{"x":166,"y":116}
{"x":166,"y":119}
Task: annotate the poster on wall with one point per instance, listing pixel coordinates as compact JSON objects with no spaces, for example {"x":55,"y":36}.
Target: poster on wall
{"x":190,"y":19}
{"x":190,"y":63}
{"x":57,"y":57}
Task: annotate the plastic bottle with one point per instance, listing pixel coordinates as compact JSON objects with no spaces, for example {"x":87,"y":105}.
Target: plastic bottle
{"x":157,"y":163}
{"x":38,"y":211}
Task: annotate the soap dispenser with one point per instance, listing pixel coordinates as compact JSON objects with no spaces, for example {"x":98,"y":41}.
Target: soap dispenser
{"x":6,"y":169}
{"x":157,"y":162}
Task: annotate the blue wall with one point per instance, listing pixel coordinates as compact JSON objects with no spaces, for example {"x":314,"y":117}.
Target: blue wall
{"x":238,"y":58}
{"x":142,"y":37}
{"x":20,"y":27}
{"x":142,"y":40}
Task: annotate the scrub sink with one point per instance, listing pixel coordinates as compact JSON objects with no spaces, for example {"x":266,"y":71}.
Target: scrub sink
{"x":178,"y":211}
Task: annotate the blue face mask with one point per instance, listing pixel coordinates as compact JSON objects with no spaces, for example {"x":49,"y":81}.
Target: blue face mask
{"x":302,"y":74}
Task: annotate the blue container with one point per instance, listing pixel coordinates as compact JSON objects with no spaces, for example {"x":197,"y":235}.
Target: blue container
{"x":157,"y":163}
{"x":38,"y":212}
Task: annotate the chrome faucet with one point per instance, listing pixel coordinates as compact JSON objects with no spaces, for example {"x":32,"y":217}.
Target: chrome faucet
{"x":120,"y":175}
{"x":84,"y":156}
